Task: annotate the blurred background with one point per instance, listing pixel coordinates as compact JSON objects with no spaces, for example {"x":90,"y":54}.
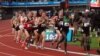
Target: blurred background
{"x":8,"y":6}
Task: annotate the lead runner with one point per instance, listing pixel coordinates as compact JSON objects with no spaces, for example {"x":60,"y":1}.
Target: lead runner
{"x":64,"y":25}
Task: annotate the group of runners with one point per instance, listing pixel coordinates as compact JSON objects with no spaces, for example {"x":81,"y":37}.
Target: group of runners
{"x":30,"y":27}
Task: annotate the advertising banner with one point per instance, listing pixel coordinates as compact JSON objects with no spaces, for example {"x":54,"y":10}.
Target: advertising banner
{"x":50,"y":35}
{"x":95,"y":3}
{"x":28,"y":4}
{"x":69,"y":36}
{"x":78,"y":2}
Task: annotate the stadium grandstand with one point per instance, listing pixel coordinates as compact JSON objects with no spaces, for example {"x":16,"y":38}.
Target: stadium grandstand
{"x":8,"y":6}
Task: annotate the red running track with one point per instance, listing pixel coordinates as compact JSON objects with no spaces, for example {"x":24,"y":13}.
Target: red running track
{"x":8,"y":47}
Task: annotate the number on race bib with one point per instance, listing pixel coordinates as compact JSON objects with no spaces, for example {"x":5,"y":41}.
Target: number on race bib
{"x":61,"y":23}
{"x":86,"y":24}
{"x":66,"y":24}
{"x":50,"y":35}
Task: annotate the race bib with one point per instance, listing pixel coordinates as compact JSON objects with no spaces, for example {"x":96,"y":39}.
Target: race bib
{"x":29,"y":25}
{"x":61,"y":23}
{"x":43,"y":25}
{"x":35,"y":26}
{"x":72,"y":28}
{"x":21,"y":26}
{"x":86,"y":24}
{"x":66,"y":24}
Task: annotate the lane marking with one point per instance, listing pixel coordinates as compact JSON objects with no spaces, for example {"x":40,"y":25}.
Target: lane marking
{"x":24,"y":50}
{"x":79,"y":53}
{"x":0,"y":35}
{"x":72,"y":52}
{"x":10,"y":33}
{"x":5,"y":35}
{"x":7,"y":54}
{"x":4,"y":26}
{"x":5,"y":30}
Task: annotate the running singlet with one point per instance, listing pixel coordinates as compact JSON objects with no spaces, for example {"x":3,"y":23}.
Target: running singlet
{"x":66,"y":21}
{"x":29,"y":25}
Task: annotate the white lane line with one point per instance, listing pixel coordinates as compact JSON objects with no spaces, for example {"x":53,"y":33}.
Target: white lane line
{"x":4,"y":27}
{"x":5,"y":30}
{"x":25,"y":51}
{"x":6,"y":35}
{"x":72,"y":52}
{"x":0,"y":35}
{"x":10,"y":33}
{"x":7,"y":54}
{"x":22,"y":49}
{"x":79,"y":53}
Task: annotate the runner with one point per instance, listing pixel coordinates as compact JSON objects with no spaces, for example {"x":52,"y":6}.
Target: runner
{"x":86,"y":32}
{"x":16,"y":23}
{"x":53,"y":25}
{"x":13,"y":21}
{"x":35,"y":28}
{"x":42,"y":26}
{"x":23,"y":33}
{"x":63,"y":24}
{"x":28,"y":29}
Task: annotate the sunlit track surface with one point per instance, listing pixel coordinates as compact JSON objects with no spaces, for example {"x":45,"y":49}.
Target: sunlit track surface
{"x":8,"y":47}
